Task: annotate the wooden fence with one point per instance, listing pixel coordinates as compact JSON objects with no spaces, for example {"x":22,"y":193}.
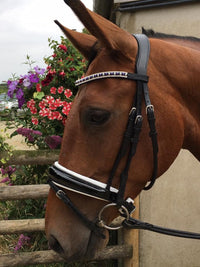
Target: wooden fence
{"x":123,"y":251}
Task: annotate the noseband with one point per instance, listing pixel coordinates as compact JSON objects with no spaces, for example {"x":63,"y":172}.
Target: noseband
{"x":63,"y":178}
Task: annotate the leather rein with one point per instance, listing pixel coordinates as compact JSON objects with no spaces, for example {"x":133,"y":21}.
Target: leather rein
{"x":63,"y":178}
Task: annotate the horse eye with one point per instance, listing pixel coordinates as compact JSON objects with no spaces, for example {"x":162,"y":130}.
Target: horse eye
{"x":97,"y":116}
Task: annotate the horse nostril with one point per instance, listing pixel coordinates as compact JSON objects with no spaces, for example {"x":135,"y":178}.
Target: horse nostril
{"x":55,"y":245}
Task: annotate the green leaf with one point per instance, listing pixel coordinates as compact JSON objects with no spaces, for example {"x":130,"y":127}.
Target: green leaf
{"x":14,"y":133}
{"x":38,"y":95}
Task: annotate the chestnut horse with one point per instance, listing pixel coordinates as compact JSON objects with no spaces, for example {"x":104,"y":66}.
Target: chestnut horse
{"x":95,"y":127}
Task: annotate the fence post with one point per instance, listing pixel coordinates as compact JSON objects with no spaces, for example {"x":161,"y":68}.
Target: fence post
{"x":132,"y":237}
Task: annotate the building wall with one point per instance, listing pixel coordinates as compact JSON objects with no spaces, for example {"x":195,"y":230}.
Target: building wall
{"x":174,"y":200}
{"x":178,"y":19}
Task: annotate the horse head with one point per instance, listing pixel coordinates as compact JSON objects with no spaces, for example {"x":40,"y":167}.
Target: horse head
{"x":95,"y":127}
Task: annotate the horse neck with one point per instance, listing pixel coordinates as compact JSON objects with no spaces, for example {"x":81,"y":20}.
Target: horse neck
{"x":181,"y":71}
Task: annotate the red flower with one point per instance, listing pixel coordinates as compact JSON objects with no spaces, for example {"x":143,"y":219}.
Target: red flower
{"x":66,"y":108}
{"x":72,"y":69}
{"x":68,"y":93}
{"x":44,"y":112}
{"x":60,"y":89}
{"x":50,"y":99}
{"x":34,"y":120}
{"x":31,"y":103}
{"x":53,"y":90}
{"x":54,"y":55}
{"x":33,"y":110}
{"x":58,"y":103}
{"x":47,"y":80}
{"x":42,"y":103}
{"x":63,"y":47}
{"x":38,"y":87}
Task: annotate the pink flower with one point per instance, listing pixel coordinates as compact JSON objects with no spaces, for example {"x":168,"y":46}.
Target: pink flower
{"x":63,"y":47}
{"x":60,"y":89}
{"x":68,"y":93}
{"x":62,"y":73}
{"x":53,"y":90}
{"x":34,"y":120}
{"x":52,"y":72}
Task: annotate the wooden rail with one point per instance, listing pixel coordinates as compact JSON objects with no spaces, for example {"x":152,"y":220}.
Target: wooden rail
{"x":31,"y":157}
{"x":18,"y":192}
{"x":19,"y":226}
{"x":42,"y":257}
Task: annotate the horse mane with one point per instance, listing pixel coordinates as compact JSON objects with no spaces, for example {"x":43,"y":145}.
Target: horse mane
{"x":159,"y":35}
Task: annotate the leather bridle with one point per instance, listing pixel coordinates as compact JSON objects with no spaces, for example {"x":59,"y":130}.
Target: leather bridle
{"x":63,"y":178}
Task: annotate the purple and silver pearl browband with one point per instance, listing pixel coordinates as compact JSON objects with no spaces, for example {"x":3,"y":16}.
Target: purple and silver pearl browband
{"x":111,"y":74}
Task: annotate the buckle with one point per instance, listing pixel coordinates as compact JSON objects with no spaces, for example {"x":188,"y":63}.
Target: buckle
{"x":149,"y":107}
{"x":60,"y":194}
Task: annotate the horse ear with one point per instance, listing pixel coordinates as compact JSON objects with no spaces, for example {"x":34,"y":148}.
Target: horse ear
{"x":107,"y":33}
{"x":83,"y":42}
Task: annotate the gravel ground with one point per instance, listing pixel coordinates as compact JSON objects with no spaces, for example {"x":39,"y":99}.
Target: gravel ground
{"x":17,"y":141}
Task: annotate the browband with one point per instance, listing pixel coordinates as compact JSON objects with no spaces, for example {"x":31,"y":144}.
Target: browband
{"x":112,"y":74}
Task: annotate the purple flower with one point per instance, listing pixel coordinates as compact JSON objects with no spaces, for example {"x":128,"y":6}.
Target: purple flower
{"x":23,"y":240}
{"x":4,"y":180}
{"x":8,"y":170}
{"x":3,"y":171}
{"x":26,"y":82}
{"x":21,"y":101}
{"x":12,"y":86}
{"x":20,"y":97}
{"x":34,"y":78}
{"x":39,"y":70}
{"x":53,"y":141}
{"x":28,"y":133}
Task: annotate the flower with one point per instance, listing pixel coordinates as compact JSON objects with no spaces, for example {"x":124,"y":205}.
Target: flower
{"x":60,"y":89}
{"x":5,"y":180}
{"x":33,"y":78}
{"x":53,"y":141}
{"x":23,"y":240}
{"x":26,"y":82}
{"x":28,"y":133}
{"x":62,"y":73}
{"x":38,"y":87}
{"x":47,"y":80}
{"x":63,"y":47}
{"x":66,"y":108}
{"x":12,"y":86}
{"x":53,"y":90}
{"x":39,"y":71}
{"x":68,"y":93}
{"x":35,"y":120}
